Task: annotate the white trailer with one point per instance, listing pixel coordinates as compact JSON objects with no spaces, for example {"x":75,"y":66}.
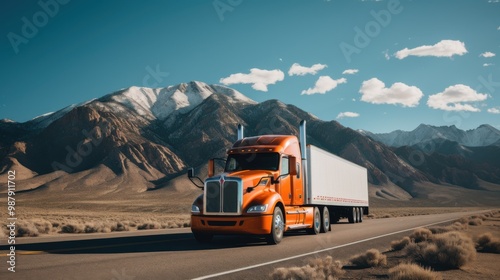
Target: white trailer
{"x":337,"y":183}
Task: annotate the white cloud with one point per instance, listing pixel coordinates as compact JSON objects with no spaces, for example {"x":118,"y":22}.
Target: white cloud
{"x":300,"y":70}
{"x":374,"y":91}
{"x":324,"y":84}
{"x":386,"y":54}
{"x":259,"y":78}
{"x":487,"y":54}
{"x":488,"y":64}
{"x":455,"y":98}
{"x":494,"y":110}
{"x":444,"y":48}
{"x":347,"y":115}
{"x":350,"y":71}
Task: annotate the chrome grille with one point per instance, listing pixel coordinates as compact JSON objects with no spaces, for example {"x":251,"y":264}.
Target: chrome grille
{"x":223,"y":195}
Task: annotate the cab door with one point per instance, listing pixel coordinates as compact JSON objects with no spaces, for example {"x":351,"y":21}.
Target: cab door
{"x":285,"y":189}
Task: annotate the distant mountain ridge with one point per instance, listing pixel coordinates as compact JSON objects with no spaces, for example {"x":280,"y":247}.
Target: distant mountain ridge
{"x":137,"y":139}
{"x":484,"y":135}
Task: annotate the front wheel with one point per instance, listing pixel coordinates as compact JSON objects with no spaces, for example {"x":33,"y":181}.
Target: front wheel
{"x":277,"y":227}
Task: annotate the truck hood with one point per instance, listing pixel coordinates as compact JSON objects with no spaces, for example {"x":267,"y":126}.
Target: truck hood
{"x":251,"y":177}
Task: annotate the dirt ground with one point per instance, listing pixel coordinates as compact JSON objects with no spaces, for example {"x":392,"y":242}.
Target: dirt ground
{"x":485,"y":265}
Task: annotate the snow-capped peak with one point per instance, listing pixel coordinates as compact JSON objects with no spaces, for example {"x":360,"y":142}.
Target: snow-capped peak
{"x":162,"y":102}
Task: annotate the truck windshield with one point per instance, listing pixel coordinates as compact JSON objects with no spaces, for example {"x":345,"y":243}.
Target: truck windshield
{"x":252,"y":161}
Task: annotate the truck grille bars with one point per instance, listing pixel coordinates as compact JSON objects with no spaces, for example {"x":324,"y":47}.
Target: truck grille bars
{"x":223,"y":196}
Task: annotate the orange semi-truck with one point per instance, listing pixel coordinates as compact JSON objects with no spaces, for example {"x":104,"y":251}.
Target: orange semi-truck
{"x":274,"y":183}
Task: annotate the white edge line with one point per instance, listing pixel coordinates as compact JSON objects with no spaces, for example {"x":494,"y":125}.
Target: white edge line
{"x":314,"y":252}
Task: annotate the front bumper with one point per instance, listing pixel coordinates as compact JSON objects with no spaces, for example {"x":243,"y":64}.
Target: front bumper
{"x":258,"y":224}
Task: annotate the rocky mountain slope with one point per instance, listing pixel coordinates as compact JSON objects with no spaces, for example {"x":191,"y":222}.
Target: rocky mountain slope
{"x":138,"y":139}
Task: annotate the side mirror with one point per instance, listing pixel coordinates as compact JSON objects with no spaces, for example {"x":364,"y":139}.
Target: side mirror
{"x":292,"y":165}
{"x":211,"y":168}
{"x":198,"y":182}
{"x":191,"y":173}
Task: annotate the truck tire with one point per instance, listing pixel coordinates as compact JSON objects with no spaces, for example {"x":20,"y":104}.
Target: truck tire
{"x":277,"y":227}
{"x":316,"y":226}
{"x":325,"y":220}
{"x":203,"y":237}
{"x":352,"y":215}
{"x":360,"y":214}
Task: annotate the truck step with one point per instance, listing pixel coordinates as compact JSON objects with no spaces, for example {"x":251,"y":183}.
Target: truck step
{"x":298,"y":226}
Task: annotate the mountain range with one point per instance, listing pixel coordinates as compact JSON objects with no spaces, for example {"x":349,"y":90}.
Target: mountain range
{"x":139,"y":140}
{"x":484,"y":135}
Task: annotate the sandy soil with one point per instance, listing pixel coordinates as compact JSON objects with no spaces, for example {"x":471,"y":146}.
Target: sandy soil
{"x":485,"y":265}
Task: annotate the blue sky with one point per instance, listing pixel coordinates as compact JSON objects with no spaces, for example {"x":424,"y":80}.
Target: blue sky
{"x":407,"y":62}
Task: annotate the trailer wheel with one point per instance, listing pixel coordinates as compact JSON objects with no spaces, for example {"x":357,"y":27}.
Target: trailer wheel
{"x":360,"y":214}
{"x":316,"y":222}
{"x":277,"y":227}
{"x":203,"y":237}
{"x":325,"y":220}
{"x":352,"y":217}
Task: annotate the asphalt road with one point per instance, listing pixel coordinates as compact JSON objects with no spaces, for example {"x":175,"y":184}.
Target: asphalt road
{"x":174,"y":254}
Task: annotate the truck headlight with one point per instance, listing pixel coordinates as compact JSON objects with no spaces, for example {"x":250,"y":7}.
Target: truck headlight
{"x":257,"y":209}
{"x":195,"y":209}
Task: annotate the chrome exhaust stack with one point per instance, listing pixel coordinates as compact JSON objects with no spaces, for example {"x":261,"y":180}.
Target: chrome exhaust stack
{"x":240,"y":132}
{"x":303,"y":152}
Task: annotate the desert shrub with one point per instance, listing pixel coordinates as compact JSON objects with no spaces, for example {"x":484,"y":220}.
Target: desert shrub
{"x":455,"y":226}
{"x":371,"y":216}
{"x":481,"y":217}
{"x":475,"y":222}
{"x":43,"y":226}
{"x":463,"y":220}
{"x":412,"y":272}
{"x":397,"y":245}
{"x":488,"y":244}
{"x":26,"y":229}
{"x":120,"y":227}
{"x":370,"y":258}
{"x":316,"y":269}
{"x":420,"y":235}
{"x":387,"y":216}
{"x":149,"y":225}
{"x":72,"y":228}
{"x":447,"y":250}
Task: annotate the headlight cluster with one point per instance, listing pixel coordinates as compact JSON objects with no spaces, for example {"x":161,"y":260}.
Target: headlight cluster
{"x":257,"y":209}
{"x":195,"y":209}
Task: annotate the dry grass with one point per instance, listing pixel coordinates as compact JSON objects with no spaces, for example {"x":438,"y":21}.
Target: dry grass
{"x":446,"y":250}
{"x":412,"y":272}
{"x":371,"y":258}
{"x":316,"y":269}
{"x":33,"y":227}
{"x":475,"y":222}
{"x":457,"y":226}
{"x":488,"y":244}
{"x":420,"y":235}
{"x":398,"y":245}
